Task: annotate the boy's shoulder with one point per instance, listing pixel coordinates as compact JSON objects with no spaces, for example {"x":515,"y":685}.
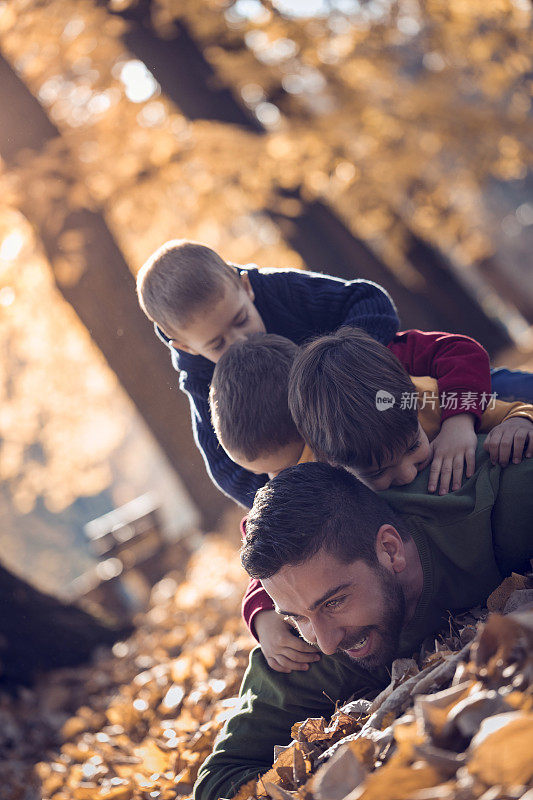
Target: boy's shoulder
{"x":288,"y":282}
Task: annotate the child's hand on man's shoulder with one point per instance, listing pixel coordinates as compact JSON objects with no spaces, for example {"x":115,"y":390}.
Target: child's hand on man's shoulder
{"x":284,"y":652}
{"x":512,"y":438}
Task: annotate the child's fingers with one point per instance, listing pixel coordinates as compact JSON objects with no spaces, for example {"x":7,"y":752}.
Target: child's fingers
{"x":506,"y":446}
{"x":470,"y":458}
{"x":519,"y":443}
{"x":299,"y":645}
{"x":285,"y":664}
{"x":457,"y":471}
{"x":302,"y":658}
{"x":273,"y":663}
{"x":434,"y":473}
{"x":494,"y":444}
{"x":445,"y":475}
{"x":529,"y":449}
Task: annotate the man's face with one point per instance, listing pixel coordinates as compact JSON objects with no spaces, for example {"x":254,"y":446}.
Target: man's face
{"x":399,"y":469}
{"x":351,"y":608}
{"x":226,"y":320}
{"x":271,"y":463}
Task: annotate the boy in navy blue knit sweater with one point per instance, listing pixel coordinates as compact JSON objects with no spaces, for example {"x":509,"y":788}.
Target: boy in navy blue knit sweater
{"x":201,"y":305}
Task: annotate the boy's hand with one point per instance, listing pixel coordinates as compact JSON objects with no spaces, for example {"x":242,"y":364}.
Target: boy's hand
{"x":282,"y":650}
{"x":510,"y":436}
{"x":455,"y":444}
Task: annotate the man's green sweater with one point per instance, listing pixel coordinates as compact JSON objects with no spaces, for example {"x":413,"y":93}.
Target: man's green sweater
{"x":468,"y":541}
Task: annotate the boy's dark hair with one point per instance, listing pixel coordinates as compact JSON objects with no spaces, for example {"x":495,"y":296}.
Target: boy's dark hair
{"x":248,"y":396}
{"x":309,"y":507}
{"x":334,"y":391}
{"x":179,"y":279}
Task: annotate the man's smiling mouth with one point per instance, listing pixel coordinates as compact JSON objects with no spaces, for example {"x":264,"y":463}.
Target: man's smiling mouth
{"x":361,"y":647}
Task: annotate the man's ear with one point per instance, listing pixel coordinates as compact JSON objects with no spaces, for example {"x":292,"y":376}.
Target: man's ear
{"x":390,"y":550}
{"x":247,"y":286}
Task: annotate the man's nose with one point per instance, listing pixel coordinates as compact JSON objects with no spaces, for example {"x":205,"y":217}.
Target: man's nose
{"x":327,"y":637}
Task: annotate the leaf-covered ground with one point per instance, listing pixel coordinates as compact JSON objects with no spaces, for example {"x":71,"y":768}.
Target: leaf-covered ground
{"x":140,"y":720}
{"x":457,"y":725}
{"x":137,"y":723}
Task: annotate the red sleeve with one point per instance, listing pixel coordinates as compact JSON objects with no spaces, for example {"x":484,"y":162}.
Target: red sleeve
{"x":255,"y":598}
{"x":458,"y":363}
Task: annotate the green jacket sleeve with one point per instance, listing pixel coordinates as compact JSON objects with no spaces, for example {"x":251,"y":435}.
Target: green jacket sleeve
{"x":270,"y":703}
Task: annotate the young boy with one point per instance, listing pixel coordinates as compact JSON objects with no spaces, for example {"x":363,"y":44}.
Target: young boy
{"x":357,"y":407}
{"x":200,"y":305}
{"x":252,"y":419}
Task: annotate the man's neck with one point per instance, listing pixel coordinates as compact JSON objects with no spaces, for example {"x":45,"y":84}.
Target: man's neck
{"x":412,"y":578}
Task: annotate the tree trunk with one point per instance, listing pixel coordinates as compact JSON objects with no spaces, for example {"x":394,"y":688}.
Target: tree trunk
{"x":317,"y":233}
{"x":441,"y":304}
{"x":38,"y":632}
{"x":105,"y":301}
{"x":180,"y":68}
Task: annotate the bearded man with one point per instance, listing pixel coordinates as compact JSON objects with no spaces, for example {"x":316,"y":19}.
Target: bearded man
{"x":365,"y":578}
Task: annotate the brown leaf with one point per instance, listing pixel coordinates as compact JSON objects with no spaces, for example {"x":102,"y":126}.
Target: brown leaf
{"x":276,"y":792}
{"x":338,"y":776}
{"x":298,"y":767}
{"x":397,"y":781}
{"x":501,"y":751}
{"x":312,"y":730}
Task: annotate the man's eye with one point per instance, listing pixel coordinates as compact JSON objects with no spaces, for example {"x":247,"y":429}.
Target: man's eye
{"x":337,"y":602}
{"x":242,"y":320}
{"x":219,"y":345}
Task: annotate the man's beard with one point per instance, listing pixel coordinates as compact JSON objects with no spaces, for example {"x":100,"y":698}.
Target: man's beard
{"x":387,"y":631}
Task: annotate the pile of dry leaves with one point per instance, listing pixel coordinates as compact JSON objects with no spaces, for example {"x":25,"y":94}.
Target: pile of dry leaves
{"x":137,"y":724}
{"x":456,"y":726}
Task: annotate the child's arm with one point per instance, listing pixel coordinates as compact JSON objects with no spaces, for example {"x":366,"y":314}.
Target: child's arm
{"x":461,"y":367}
{"x":236,"y":482}
{"x":195,"y":373}
{"x":510,"y":432}
{"x":458,"y":363}
{"x":283,"y":650}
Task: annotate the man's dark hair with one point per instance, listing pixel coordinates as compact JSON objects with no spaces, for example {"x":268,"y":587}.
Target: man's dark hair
{"x":309,"y":507}
{"x":334,"y":398}
{"x":249,"y":396}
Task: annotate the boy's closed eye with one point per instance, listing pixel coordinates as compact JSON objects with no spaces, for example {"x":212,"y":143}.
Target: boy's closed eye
{"x":239,"y":321}
{"x":242,"y":320}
